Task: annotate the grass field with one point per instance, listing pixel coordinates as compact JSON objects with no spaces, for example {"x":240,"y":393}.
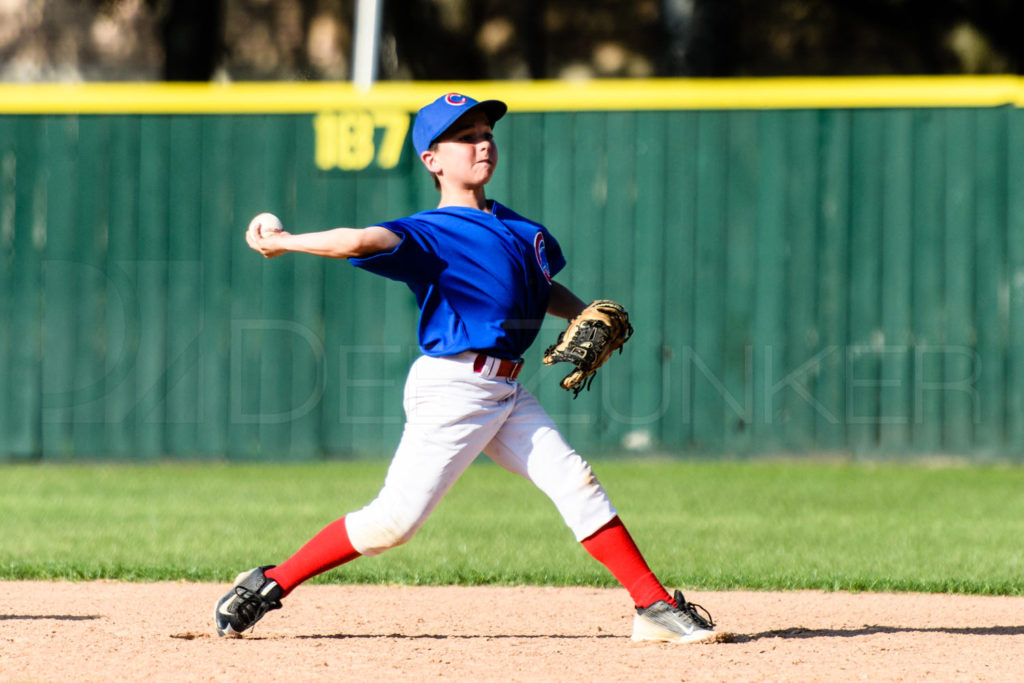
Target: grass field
{"x":701,"y":525}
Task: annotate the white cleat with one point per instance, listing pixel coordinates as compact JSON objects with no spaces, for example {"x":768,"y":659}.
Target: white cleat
{"x":666,"y":623}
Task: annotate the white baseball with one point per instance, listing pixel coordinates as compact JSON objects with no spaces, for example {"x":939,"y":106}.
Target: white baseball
{"x":268,"y":224}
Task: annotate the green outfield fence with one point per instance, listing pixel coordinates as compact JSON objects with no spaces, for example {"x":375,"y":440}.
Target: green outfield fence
{"x":813,"y":265}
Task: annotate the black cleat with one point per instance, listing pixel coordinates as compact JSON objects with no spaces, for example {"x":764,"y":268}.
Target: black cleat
{"x":252,"y":596}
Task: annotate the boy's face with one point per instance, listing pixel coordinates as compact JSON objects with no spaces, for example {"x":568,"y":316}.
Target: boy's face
{"x":465,"y":155}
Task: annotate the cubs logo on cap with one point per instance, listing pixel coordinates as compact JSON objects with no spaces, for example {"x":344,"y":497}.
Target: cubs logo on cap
{"x":435,"y":118}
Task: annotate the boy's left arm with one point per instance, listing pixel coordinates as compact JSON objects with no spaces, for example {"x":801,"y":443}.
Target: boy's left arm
{"x":564,"y":304}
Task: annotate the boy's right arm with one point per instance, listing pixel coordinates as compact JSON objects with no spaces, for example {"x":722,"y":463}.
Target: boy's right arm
{"x":336,"y":243}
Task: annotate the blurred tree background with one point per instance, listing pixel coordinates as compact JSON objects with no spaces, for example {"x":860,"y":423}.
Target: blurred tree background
{"x":199,"y":40}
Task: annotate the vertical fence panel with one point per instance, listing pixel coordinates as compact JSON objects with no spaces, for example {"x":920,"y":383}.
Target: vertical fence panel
{"x":833,"y":250}
{"x":959,"y":362}
{"x":646,"y":228}
{"x":1014,"y":304}
{"x":149,"y":416}
{"x":797,"y":378}
{"x":346,"y":353}
{"x":739,"y":350}
{"x":85,"y":398}
{"x":895,"y":396}
{"x":991,"y":283}
{"x":8,"y":205}
{"x":122,"y":324}
{"x":246,"y":318}
{"x":769,"y":420}
{"x":29,"y":244}
{"x":676,"y":294}
{"x":864,"y":350}
{"x":518,"y":160}
{"x":184,"y":285}
{"x":617,"y":243}
{"x":590,"y":176}
{"x":20,"y":252}
{"x":929,"y":278}
{"x":310,"y":363}
{"x":712,"y":400}
{"x":219,"y":230}
{"x":61,"y":280}
{"x":281,"y":334}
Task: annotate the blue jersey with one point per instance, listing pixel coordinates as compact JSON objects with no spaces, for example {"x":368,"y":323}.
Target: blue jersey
{"x":482,"y":280}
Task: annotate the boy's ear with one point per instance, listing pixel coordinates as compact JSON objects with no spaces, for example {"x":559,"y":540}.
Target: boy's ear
{"x":430,"y":161}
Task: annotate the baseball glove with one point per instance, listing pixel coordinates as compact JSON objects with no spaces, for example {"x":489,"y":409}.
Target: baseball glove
{"x":592,"y":336}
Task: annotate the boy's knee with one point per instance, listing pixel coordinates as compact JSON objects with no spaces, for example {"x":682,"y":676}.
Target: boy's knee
{"x":372,"y":537}
{"x":386,"y":538}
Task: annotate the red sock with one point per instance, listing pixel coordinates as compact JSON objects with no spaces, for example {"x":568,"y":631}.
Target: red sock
{"x":325,"y":551}
{"x":613,"y":547}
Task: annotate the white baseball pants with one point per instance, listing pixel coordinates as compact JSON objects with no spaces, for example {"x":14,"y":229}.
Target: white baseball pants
{"x":452,"y":415}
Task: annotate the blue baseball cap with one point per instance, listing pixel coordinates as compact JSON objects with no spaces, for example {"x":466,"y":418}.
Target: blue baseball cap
{"x":435,"y":118}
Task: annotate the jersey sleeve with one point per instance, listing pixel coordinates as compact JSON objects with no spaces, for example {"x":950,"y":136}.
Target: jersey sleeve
{"x":556,"y":259}
{"x":412,"y":261}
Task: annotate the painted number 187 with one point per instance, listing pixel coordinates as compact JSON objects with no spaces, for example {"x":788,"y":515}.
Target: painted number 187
{"x":348,"y":139}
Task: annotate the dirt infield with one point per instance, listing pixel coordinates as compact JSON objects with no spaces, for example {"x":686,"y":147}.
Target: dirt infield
{"x":105,"y":631}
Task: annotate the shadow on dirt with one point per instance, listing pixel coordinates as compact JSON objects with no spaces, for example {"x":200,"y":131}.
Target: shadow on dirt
{"x":54,"y":617}
{"x":866,"y":630}
{"x":450,"y":636}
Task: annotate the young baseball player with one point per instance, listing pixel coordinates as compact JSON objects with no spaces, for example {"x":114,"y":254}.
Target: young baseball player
{"x":482,"y":276}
